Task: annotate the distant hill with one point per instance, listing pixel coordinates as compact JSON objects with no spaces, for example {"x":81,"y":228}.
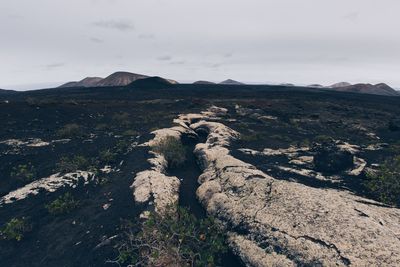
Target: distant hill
{"x":120,"y":78}
{"x":203,"y":82}
{"x":87,"y":82}
{"x":316,"y":86}
{"x":152,"y":82}
{"x":5,"y":91}
{"x":366,"y":88}
{"x":341,"y":84}
{"x":231,"y":82}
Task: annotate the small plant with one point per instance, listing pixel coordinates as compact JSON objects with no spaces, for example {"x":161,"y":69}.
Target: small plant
{"x":122,"y":119}
{"x":385,"y":183}
{"x":102,"y":181}
{"x":122,"y":146}
{"x":323,"y":139}
{"x":107,"y":156}
{"x":69,"y":131}
{"x":62,"y":205}
{"x":175,"y":238}
{"x":172,"y":150}
{"x":24,"y":172}
{"x":102,"y":127}
{"x":73,"y":164}
{"x":129,"y":133}
{"x":252,"y":137}
{"x":15,"y":229}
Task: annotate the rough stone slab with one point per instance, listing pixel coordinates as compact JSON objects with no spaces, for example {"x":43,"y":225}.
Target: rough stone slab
{"x":164,"y":189}
{"x":290,"y":221}
{"x":50,"y":184}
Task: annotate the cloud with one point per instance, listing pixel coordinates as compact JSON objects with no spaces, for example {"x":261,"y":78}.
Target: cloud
{"x":96,"y":40}
{"x":228,"y":55}
{"x":15,"y":16}
{"x":212,"y":65}
{"x":146,"y":36}
{"x":180,"y":62}
{"x":120,"y":25}
{"x":353,"y":16}
{"x":54,"y":65}
{"x":164,"y":58}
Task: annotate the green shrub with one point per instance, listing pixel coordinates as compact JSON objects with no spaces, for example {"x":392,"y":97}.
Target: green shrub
{"x":130,"y":133}
{"x":282,"y":138}
{"x":252,"y":137}
{"x":15,"y":229}
{"x":122,"y":119}
{"x":172,"y":150}
{"x":67,"y":164}
{"x":102,"y":127}
{"x":122,"y":146}
{"x":385,"y":183}
{"x":322,"y":139}
{"x":62,"y":205}
{"x":177,"y":238}
{"x":24,"y":172}
{"x":107,"y":156}
{"x":70,"y":130}
{"x":102,"y":181}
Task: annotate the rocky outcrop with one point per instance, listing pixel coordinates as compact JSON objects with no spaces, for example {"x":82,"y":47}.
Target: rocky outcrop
{"x":50,"y":184}
{"x":153,"y":187}
{"x":274,"y":222}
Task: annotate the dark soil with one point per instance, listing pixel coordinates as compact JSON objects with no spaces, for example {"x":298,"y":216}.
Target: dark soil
{"x":71,"y":239}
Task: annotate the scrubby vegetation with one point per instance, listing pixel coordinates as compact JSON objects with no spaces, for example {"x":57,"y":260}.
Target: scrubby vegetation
{"x":122,"y":119}
{"x":62,"y":205}
{"x":24,"y":172}
{"x":70,"y":131}
{"x":385,"y":183}
{"x":107,"y":156}
{"x":15,"y":229}
{"x":176,"y":238}
{"x":129,"y":133}
{"x":172,"y":149}
{"x":72,"y":164}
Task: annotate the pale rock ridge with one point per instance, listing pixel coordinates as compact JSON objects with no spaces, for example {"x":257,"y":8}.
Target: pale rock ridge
{"x":50,"y":184}
{"x":273,"y":222}
{"x":154,"y":184}
{"x":255,"y":255}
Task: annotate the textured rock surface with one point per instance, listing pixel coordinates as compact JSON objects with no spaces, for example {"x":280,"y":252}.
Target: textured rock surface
{"x":154,"y":184}
{"x":281,"y":223}
{"x":50,"y":184}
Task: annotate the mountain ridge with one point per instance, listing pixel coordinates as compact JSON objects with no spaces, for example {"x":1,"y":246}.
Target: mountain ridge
{"x":231,"y":82}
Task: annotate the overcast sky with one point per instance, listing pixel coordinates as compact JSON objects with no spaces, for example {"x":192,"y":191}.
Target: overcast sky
{"x":48,"y":42}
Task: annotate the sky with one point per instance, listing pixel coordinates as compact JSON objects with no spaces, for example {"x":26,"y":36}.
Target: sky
{"x":44,"y":43}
